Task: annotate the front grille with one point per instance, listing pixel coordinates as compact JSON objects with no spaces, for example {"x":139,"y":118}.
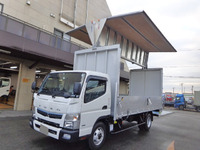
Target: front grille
{"x":50,"y":115}
{"x":49,"y":123}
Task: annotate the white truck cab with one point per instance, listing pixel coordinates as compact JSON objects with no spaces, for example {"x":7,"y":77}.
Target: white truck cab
{"x":4,"y":86}
{"x":66,"y":96}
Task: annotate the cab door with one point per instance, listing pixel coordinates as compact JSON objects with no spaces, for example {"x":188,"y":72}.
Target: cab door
{"x":95,"y":103}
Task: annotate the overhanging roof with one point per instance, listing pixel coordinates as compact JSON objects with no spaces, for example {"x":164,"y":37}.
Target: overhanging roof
{"x":136,"y":27}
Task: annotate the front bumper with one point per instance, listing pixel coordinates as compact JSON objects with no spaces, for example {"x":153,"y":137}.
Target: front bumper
{"x":176,"y":105}
{"x":54,"y":132}
{"x":169,"y":103}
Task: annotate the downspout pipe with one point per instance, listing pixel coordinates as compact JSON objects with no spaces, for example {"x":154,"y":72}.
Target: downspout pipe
{"x":61,"y":8}
{"x":75,"y":7}
{"x":87,"y":7}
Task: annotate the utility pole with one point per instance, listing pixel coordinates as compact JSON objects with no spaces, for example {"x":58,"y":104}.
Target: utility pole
{"x":182,"y":88}
{"x":192,"y":89}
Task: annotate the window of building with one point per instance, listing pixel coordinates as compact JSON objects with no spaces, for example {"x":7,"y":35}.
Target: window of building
{"x":58,"y":33}
{"x":66,"y":37}
{"x":1,"y":8}
{"x":94,"y":89}
{"x":62,"y":34}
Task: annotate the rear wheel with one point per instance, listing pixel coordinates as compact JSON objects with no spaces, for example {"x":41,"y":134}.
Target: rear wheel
{"x":147,"y":123}
{"x":98,"y":136}
{"x":197,"y":108}
{"x":181,"y":107}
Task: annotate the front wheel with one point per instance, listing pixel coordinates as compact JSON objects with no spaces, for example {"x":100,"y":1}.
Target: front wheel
{"x":147,"y":123}
{"x":181,"y":107}
{"x":198,"y":108}
{"x":98,"y":136}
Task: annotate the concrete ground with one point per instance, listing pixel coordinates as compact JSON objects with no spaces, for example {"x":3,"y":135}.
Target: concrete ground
{"x":4,"y":105}
{"x":182,"y":127}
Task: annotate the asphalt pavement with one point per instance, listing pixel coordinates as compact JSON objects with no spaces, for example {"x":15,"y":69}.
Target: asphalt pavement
{"x":182,"y":127}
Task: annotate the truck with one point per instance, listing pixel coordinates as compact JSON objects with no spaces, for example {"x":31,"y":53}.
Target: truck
{"x":85,"y":103}
{"x":196,"y":103}
{"x":181,"y":103}
{"x":4,"y":86}
{"x":169,"y":100}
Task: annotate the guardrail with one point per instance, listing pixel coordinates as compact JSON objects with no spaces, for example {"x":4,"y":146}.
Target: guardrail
{"x":26,"y":30}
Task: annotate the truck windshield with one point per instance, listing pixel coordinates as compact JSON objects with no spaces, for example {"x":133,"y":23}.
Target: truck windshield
{"x":61,"y":84}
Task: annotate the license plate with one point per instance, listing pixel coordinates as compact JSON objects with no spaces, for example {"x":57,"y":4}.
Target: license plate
{"x":44,"y":129}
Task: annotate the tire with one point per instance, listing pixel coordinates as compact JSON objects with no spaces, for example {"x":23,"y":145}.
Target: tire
{"x":181,"y":107}
{"x":198,"y":108}
{"x":147,"y":125}
{"x":98,"y":136}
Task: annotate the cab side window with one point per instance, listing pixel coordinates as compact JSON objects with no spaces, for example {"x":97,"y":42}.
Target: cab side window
{"x":94,"y":89}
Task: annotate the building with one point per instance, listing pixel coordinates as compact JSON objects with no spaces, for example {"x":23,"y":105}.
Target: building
{"x":33,"y":40}
{"x":40,"y":36}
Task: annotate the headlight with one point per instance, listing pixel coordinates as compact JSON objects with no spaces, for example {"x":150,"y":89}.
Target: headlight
{"x":72,"y":121}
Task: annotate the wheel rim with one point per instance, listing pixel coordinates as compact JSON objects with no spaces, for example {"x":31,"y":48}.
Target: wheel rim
{"x":98,"y":136}
{"x":148,"y":121}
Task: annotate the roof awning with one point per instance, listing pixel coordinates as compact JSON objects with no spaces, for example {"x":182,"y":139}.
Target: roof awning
{"x":136,"y":27}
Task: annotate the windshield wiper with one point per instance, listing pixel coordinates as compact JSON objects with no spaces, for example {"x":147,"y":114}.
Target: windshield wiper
{"x":45,"y":91}
{"x":57,"y":93}
{"x":63,"y":94}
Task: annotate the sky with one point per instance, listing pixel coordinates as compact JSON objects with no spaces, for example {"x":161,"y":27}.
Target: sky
{"x":179,"y":21}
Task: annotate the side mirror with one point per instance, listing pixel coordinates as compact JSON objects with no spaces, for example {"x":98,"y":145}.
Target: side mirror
{"x":33,"y":87}
{"x":77,"y":88}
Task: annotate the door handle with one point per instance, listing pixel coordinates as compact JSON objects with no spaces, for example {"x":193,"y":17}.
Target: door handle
{"x":149,"y":101}
{"x":104,"y":107}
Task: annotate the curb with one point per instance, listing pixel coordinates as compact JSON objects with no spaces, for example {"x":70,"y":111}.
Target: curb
{"x":13,"y":113}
